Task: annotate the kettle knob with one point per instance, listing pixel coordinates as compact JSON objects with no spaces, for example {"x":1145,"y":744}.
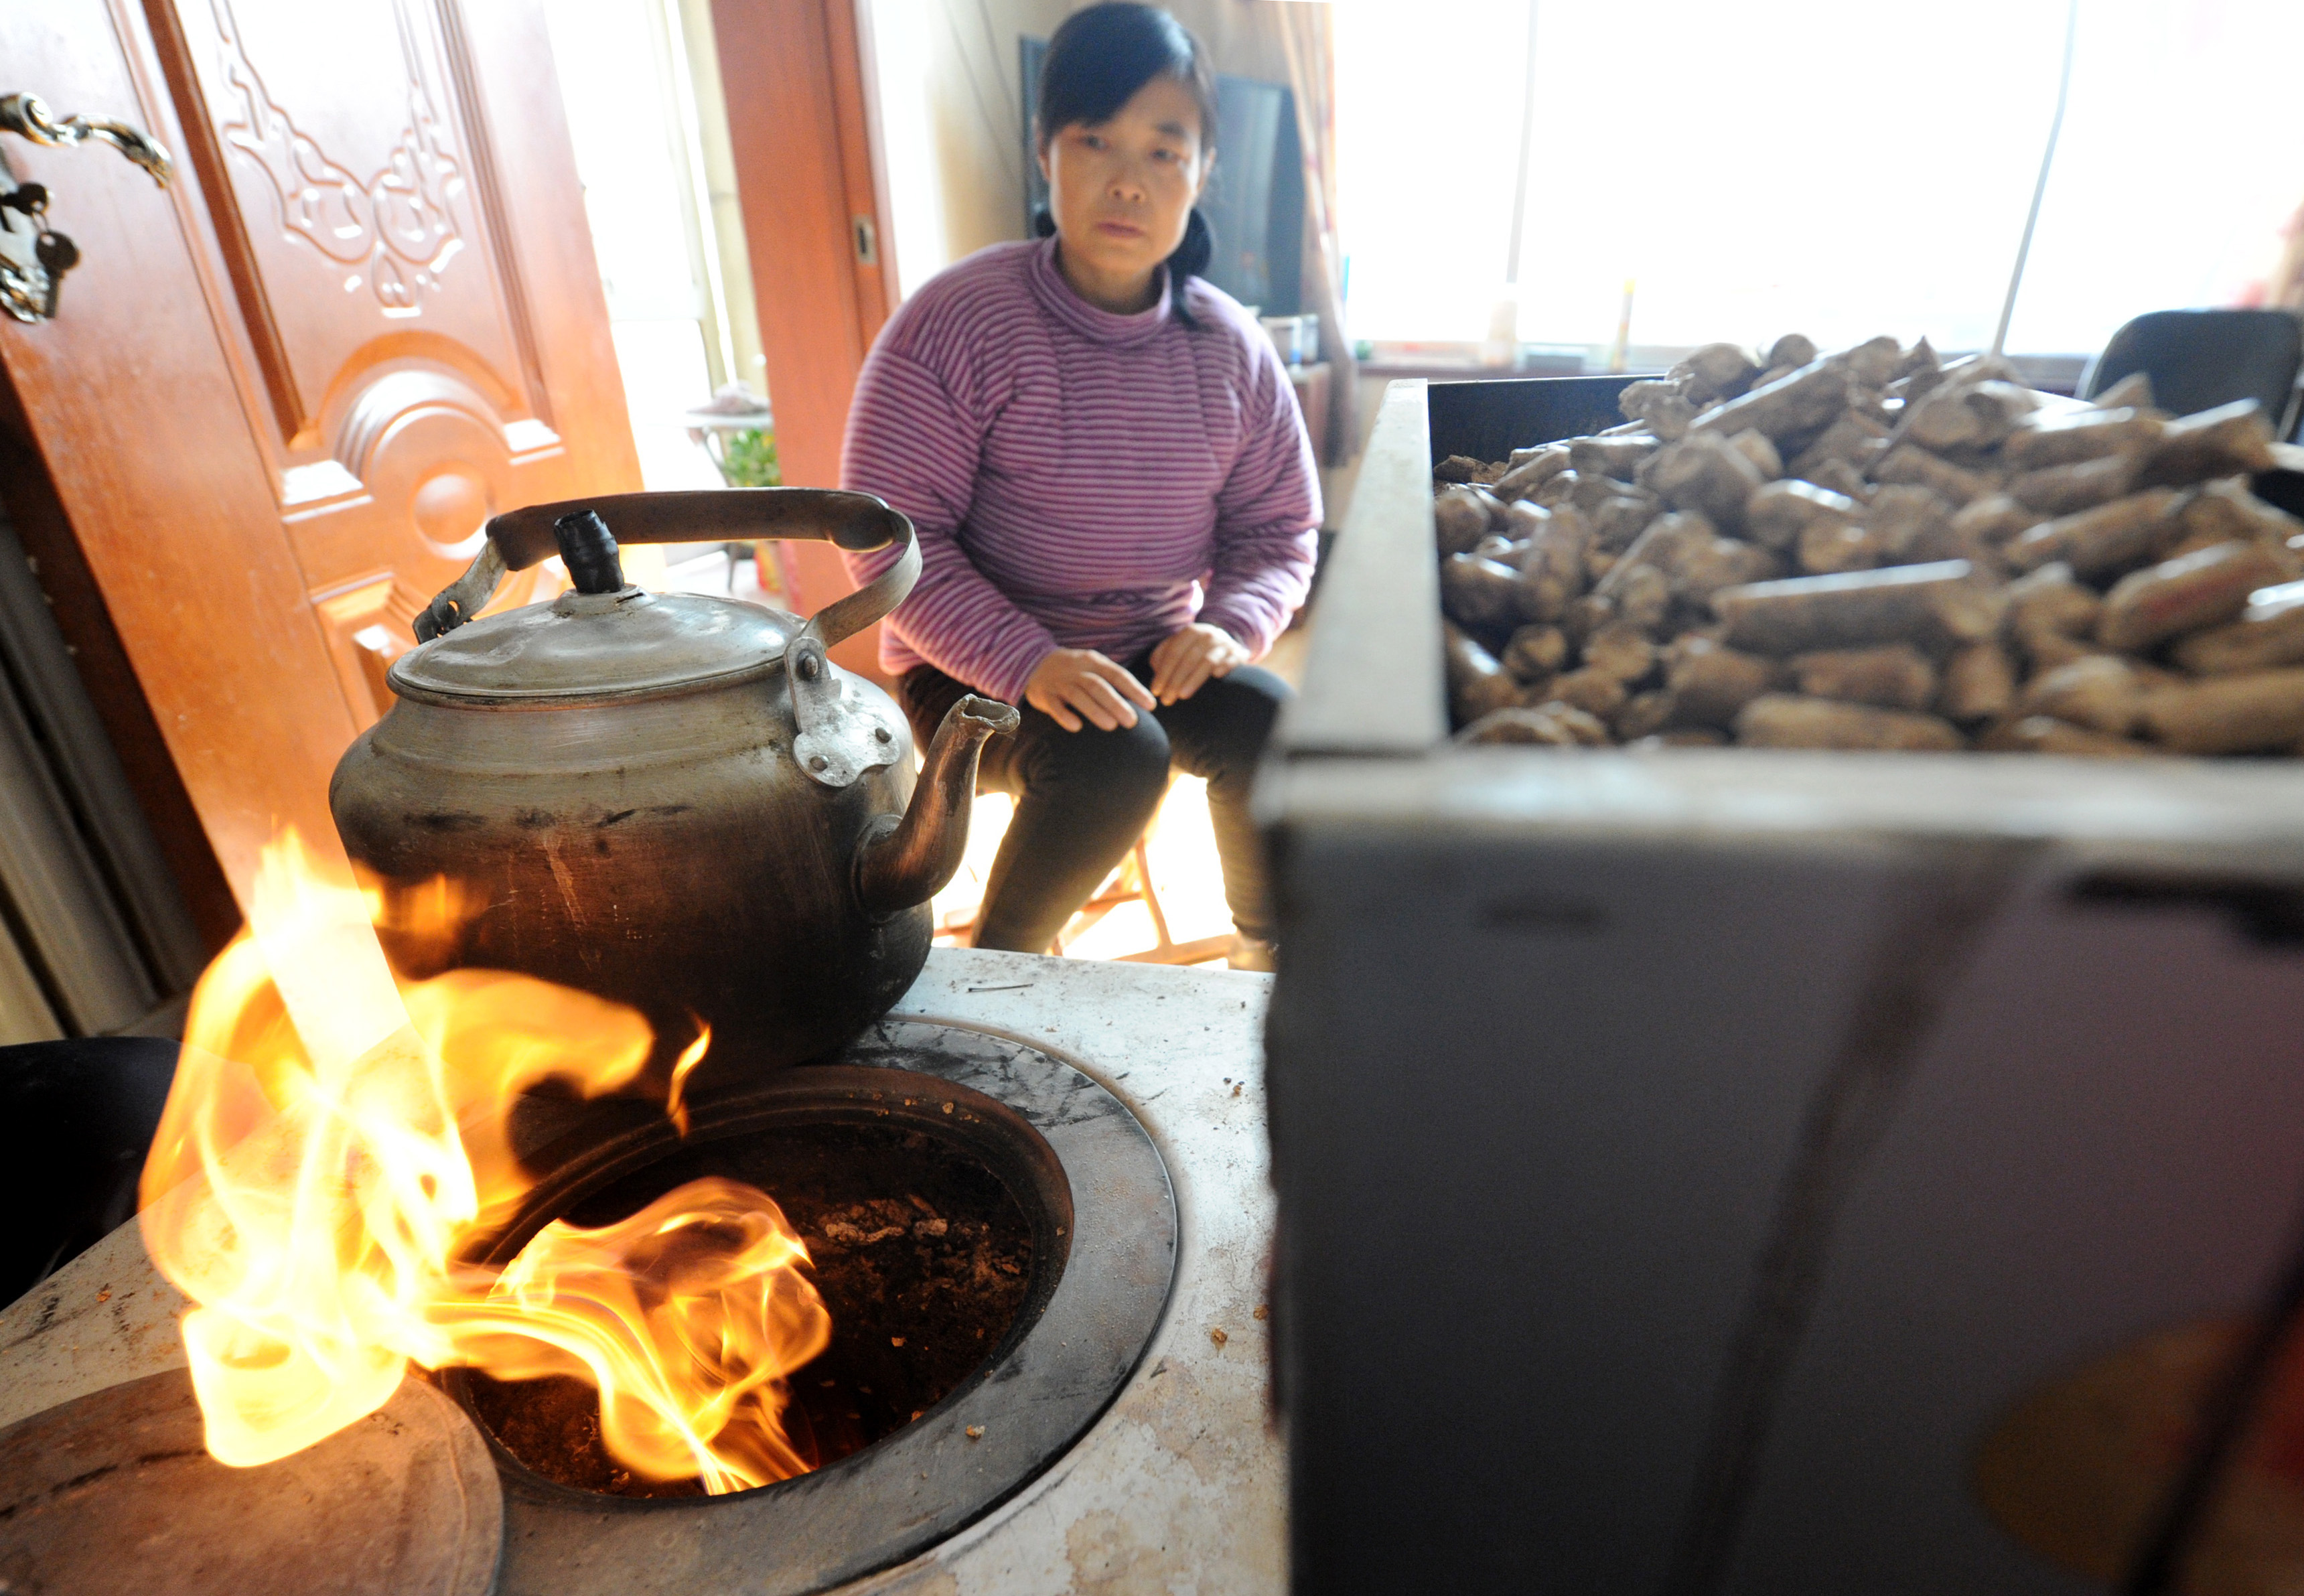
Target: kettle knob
{"x":588,"y":550}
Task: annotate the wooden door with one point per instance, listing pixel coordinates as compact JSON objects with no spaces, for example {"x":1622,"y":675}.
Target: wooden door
{"x":811,"y":193}
{"x":281,"y":397}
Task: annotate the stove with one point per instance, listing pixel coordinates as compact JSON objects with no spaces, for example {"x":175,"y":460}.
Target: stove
{"x":1118,"y":1439}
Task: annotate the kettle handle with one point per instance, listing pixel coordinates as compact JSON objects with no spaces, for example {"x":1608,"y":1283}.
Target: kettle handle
{"x":855,"y":521}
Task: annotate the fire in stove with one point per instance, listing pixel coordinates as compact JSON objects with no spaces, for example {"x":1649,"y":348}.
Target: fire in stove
{"x":335,"y":1144}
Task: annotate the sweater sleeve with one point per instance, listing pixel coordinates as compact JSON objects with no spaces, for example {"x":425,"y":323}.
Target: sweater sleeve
{"x":1267,"y":515}
{"x":915,"y":443}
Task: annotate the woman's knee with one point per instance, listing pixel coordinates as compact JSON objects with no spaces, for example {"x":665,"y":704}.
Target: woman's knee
{"x":1255,"y":695}
{"x":1224,"y":728}
{"x":1131,"y":761}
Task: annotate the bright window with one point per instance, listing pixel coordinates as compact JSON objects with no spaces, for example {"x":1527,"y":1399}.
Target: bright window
{"x":1828,"y":167}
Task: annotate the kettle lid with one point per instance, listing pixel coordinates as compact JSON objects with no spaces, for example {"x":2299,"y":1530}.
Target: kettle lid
{"x":627,"y":643}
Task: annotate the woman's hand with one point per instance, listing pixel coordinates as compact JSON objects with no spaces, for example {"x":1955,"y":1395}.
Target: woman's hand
{"x":1185,"y":659}
{"x":1075,"y":684}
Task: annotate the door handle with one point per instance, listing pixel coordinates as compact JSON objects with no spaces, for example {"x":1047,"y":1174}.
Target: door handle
{"x":33,"y":256}
{"x":29,"y":114}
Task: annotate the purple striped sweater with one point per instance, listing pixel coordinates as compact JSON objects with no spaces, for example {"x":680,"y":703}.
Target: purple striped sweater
{"x":1075,"y":475}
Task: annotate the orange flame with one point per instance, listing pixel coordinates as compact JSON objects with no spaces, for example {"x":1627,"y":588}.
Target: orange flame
{"x":689,"y":1057}
{"x":333,"y":1138}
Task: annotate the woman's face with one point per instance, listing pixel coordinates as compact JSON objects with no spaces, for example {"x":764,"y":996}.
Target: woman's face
{"x":1123,"y":190}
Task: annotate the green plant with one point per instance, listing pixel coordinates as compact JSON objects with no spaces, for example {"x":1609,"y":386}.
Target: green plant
{"x":748,"y":459}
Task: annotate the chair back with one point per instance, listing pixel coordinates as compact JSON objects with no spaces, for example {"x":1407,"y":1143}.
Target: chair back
{"x":2198,"y":359}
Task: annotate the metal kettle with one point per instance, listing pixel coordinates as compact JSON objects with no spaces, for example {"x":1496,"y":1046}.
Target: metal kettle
{"x":671,"y":799}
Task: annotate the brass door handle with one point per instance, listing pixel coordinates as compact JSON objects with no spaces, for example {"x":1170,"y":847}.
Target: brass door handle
{"x":33,"y":256}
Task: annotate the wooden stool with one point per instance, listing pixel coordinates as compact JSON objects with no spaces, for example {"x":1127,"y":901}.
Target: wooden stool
{"x":1130,"y":882}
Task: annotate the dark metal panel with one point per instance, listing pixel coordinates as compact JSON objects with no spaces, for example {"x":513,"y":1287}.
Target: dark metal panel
{"x":2104,"y":1139}
{"x":1532,"y":1099}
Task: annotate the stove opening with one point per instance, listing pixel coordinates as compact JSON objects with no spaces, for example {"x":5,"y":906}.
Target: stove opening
{"x":935,"y":1221}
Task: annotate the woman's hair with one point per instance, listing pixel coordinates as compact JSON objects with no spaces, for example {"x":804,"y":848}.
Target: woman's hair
{"x":1096,"y":63}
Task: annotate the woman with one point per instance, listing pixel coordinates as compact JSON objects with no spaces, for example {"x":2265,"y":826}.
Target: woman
{"x":1081,"y":429}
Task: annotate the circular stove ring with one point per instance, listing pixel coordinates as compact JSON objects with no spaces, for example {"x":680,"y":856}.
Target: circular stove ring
{"x":1050,"y":1379}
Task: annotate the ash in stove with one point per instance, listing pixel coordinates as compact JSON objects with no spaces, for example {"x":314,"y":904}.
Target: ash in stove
{"x":922,"y":1287}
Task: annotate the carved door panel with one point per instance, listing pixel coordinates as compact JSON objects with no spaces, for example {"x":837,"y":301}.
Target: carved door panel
{"x":351,"y":177}
{"x":371,"y":301}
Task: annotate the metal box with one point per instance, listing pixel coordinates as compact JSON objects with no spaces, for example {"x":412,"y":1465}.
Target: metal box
{"x":1687,"y":1159}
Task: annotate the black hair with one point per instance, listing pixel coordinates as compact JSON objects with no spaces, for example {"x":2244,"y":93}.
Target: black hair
{"x":1096,"y":63}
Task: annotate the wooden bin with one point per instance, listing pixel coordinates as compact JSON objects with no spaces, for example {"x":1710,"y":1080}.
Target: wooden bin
{"x":1687,"y":1159}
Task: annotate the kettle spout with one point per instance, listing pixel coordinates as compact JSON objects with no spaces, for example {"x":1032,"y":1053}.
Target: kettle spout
{"x":911,"y":862}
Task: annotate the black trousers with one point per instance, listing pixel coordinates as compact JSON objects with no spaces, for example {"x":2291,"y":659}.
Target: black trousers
{"x":1084,"y":797}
